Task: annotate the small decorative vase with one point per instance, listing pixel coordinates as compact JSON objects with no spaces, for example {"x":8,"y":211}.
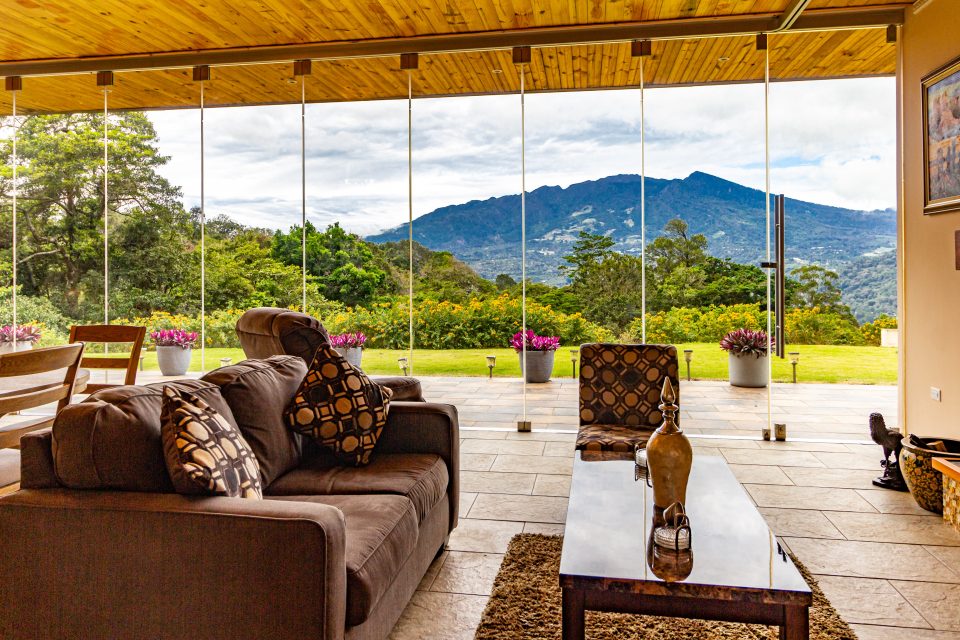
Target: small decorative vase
{"x":539,"y":365}
{"x":748,"y":370}
{"x":22,"y":345}
{"x":353,"y":355}
{"x":669,"y":454}
{"x":173,"y":361}
{"x":925,"y":482}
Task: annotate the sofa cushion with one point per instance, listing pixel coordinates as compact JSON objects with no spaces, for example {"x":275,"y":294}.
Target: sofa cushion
{"x":111,"y":440}
{"x":205,"y":452}
{"x":611,"y":437}
{"x":339,"y":407}
{"x":258,"y":391}
{"x":381,"y":533}
{"x":421,"y":477}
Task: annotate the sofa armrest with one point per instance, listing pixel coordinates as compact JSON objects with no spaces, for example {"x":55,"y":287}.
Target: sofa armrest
{"x":123,"y":564}
{"x":427,"y":427}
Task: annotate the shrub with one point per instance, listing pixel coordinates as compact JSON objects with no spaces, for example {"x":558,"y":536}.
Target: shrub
{"x":40,"y":312}
{"x":871,"y":330}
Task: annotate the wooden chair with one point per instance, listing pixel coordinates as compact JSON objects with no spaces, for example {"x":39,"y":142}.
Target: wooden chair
{"x":41,"y":385}
{"x":110,"y":334}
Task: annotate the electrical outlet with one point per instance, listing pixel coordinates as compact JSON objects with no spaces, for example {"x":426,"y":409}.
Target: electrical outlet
{"x":935,"y":393}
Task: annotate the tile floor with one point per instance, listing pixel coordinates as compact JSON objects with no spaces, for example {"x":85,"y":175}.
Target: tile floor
{"x":890,"y":568}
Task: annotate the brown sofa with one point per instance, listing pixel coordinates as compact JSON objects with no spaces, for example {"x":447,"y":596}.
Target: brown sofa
{"x":99,"y":546}
{"x":271,"y":331}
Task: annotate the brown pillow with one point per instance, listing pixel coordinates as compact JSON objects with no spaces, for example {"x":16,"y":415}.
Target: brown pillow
{"x":204,"y":452}
{"x":340,"y":407}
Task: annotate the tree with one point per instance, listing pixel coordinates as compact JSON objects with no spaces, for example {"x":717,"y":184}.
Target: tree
{"x":614,"y":298}
{"x":505,"y":281}
{"x":817,"y":287}
{"x":677,"y":248}
{"x":589,"y":250}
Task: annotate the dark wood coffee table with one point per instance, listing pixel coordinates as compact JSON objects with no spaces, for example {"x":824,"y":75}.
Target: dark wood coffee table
{"x":736,"y":571}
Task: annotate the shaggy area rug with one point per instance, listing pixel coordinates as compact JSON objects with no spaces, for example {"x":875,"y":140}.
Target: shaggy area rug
{"x":525,"y":605}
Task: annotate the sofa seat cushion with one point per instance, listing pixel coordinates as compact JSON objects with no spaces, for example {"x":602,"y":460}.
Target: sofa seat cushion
{"x":404,"y":388}
{"x":611,"y":437}
{"x":9,"y":467}
{"x":421,"y":477}
{"x":381,"y":533}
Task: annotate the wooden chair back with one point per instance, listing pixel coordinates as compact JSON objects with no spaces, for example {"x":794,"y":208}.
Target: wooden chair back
{"x":110,"y":334}
{"x":39,"y":391}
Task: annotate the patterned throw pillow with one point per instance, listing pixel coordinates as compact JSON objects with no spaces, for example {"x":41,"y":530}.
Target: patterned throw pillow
{"x":340,"y":407}
{"x":205,"y":454}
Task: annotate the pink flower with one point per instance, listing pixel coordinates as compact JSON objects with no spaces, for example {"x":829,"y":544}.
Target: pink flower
{"x":534,"y":342}
{"x":174,"y":338}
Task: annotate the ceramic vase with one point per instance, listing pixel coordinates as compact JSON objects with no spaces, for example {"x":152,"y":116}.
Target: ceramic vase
{"x":747,"y":370}
{"x":22,"y":345}
{"x":353,"y":355}
{"x":173,"y":361}
{"x":539,"y":365}
{"x":669,"y":454}
{"x":925,"y":482}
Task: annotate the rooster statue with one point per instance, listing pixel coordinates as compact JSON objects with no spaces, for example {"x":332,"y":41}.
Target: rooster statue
{"x":889,"y":439}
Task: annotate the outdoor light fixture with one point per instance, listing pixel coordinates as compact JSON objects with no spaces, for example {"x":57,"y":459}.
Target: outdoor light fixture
{"x":491,"y":363}
{"x":402,"y":362}
{"x":688,"y":356}
{"x":794,"y":361}
{"x":574,"y":354}
{"x":224,"y":362}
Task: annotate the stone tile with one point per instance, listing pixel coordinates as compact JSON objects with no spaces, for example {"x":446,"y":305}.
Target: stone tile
{"x":886,"y":501}
{"x":467,"y":572}
{"x":476,"y":461}
{"x":877,"y":632}
{"x":483,"y":536}
{"x":560,"y":449}
{"x":520,"y":508}
{"x":869,"y":600}
{"x":432,"y":572}
{"x":848,"y":461}
{"x":545,"y":529}
{"x":495,"y":482}
{"x":838,"y":478}
{"x":870,"y":560}
{"x":759,"y":474}
{"x":513,"y":447}
{"x":482,"y":434}
{"x":949,"y":556}
{"x":796,"y":445}
{"x":800,"y":523}
{"x":466,"y":501}
{"x":885,"y":527}
{"x":725,"y":443}
{"x":706,"y":451}
{"x":543,"y":435}
{"x":819,"y":498}
{"x":777,"y":458}
{"x":939,"y":604}
{"x":548,"y":485}
{"x":439,"y":616}
{"x":534,"y":464}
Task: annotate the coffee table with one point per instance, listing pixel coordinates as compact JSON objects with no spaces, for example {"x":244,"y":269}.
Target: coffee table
{"x":735,"y":572}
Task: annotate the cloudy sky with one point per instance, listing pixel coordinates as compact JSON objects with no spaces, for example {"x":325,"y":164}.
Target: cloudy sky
{"x":832,"y":142}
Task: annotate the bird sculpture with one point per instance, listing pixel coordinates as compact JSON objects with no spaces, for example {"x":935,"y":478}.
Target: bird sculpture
{"x":889,"y":440}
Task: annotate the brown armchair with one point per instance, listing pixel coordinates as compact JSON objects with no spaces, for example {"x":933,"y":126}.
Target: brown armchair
{"x":269,"y":331}
{"x":620,"y":393}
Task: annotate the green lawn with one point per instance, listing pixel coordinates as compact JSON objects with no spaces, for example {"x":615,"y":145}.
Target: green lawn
{"x":862,"y":365}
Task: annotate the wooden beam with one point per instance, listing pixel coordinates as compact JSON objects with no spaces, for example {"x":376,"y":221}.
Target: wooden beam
{"x":791,"y":14}
{"x":823,"y":20}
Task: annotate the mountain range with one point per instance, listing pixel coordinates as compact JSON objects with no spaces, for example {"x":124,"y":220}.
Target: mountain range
{"x":486,"y":233}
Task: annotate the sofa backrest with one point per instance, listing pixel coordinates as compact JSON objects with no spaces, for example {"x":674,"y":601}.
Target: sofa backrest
{"x":270,"y":331}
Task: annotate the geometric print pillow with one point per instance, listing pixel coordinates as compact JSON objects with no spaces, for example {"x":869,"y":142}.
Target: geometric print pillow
{"x":340,"y":408}
{"x":205,"y":454}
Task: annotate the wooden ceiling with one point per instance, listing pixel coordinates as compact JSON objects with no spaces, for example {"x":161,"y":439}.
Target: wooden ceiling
{"x":68,"y":31}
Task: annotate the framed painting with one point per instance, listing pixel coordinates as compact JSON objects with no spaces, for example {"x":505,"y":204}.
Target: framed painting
{"x":941,"y":139}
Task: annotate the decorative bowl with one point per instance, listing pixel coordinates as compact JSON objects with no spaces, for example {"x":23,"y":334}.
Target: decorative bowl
{"x":925,"y":482}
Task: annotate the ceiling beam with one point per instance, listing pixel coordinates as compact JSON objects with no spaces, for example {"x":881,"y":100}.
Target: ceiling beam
{"x":819,"y":20}
{"x":790,"y":14}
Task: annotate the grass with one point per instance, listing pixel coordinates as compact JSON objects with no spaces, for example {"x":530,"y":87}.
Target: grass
{"x":818,"y":363}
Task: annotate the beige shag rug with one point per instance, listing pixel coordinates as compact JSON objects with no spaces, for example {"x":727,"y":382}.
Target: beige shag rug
{"x":525,"y":605}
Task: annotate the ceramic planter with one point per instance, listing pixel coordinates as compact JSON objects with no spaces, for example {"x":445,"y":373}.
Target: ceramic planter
{"x":748,"y":370}
{"x":539,"y":365}
{"x":173,"y":361}
{"x":925,"y":482}
{"x":22,"y":345}
{"x":353,"y":355}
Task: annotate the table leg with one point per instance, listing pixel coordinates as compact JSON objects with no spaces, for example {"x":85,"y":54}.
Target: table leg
{"x":572,"y":614}
{"x":796,"y":623}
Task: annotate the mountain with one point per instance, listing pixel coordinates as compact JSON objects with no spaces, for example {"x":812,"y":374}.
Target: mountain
{"x":486,"y":234}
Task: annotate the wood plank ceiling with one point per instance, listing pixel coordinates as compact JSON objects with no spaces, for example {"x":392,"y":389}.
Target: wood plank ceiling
{"x":65,"y":29}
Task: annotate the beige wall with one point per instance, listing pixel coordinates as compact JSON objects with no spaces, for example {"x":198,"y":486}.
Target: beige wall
{"x":930,"y":300}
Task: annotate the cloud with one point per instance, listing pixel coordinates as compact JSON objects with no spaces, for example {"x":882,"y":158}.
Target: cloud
{"x":831,"y":142}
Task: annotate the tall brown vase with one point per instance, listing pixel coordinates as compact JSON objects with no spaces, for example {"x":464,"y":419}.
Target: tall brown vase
{"x":669,"y":454}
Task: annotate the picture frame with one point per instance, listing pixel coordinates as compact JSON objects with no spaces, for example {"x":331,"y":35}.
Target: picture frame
{"x":941,"y":139}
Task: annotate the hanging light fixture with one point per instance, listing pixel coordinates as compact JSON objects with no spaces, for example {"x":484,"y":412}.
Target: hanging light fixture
{"x":14,"y":84}
{"x":410,"y":62}
{"x":201,"y":74}
{"x":301,"y":69}
{"x":521,"y":58}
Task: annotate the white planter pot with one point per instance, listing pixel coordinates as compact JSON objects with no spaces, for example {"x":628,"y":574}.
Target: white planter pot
{"x":748,"y":370}
{"x":22,"y":345}
{"x":173,"y":361}
{"x":539,"y":365}
{"x":353,"y":355}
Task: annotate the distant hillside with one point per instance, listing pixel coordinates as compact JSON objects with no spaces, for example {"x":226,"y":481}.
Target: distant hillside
{"x":486,"y":234}
{"x":869,"y":285}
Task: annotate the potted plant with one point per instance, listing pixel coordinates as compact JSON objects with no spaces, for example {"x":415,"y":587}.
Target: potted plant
{"x":747,"y":351}
{"x":350,"y":346}
{"x":26,"y":336}
{"x":540,"y":353}
{"x":174,"y":348}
